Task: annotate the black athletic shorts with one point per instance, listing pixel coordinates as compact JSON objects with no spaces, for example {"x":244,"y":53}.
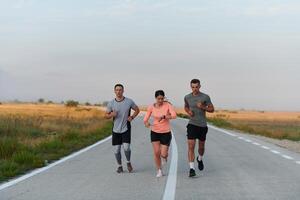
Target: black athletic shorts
{"x":120,"y":138}
{"x":163,"y":138}
{"x":196,"y":132}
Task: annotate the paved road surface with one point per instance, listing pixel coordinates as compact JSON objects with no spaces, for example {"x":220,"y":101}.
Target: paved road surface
{"x":237,"y":166}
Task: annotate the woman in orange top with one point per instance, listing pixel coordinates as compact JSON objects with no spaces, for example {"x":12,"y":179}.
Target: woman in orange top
{"x":161,"y":111}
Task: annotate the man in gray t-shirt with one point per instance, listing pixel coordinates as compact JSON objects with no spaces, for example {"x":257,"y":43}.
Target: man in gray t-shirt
{"x":119,"y":109}
{"x":196,"y":104}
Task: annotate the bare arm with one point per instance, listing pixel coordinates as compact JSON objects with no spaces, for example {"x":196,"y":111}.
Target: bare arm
{"x":147,"y":117}
{"x":136,"y":112}
{"x":187,"y":109}
{"x":172,"y":114}
{"x":109,"y":115}
{"x":208,"y":108}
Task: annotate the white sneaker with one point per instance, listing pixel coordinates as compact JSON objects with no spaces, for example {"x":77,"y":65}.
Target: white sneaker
{"x":159,"y":173}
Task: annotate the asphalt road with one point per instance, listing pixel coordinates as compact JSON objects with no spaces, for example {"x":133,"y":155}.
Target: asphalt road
{"x":237,"y":166}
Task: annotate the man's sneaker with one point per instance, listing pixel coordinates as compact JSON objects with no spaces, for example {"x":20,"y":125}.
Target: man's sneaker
{"x":200,"y":164}
{"x":120,"y":169}
{"x":159,"y":173}
{"x":129,"y":167}
{"x":192,"y":173}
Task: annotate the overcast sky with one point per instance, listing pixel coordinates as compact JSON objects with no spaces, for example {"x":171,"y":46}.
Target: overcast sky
{"x":246,"y":53}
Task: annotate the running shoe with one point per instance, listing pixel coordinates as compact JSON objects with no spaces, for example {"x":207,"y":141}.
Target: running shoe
{"x":192,"y":173}
{"x":120,"y":169}
{"x":159,"y":173}
{"x":129,"y":167}
{"x":200,"y":164}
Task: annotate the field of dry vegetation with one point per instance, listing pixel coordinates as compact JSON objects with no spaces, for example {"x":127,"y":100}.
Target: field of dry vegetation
{"x":33,"y":135}
{"x":279,"y":125}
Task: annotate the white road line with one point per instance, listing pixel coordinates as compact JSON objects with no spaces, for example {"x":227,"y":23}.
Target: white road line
{"x":287,"y":157}
{"x":264,"y":147}
{"x":275,"y":152}
{"x":255,"y":143}
{"x":40,"y":170}
{"x":226,"y":132}
{"x":170,"y":189}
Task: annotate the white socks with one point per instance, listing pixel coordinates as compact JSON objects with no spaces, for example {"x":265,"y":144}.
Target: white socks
{"x":199,"y":158}
{"x":192,"y":165}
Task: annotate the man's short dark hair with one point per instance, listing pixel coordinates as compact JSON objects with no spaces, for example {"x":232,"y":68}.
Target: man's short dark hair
{"x":119,"y":85}
{"x":195,"y":81}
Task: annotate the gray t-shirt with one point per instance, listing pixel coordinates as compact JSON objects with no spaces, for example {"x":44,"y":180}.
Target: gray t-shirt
{"x":199,"y":118}
{"x":123,"y":109}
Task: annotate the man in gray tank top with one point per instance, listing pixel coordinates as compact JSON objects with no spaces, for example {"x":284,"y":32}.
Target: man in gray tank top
{"x":119,"y":109}
{"x":196,"y":104}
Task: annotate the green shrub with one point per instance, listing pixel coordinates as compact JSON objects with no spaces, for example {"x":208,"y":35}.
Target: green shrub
{"x":8,"y":169}
{"x":41,"y":100}
{"x":8,"y":146}
{"x":50,"y":146}
{"x":72,"y":103}
{"x":27,"y":158}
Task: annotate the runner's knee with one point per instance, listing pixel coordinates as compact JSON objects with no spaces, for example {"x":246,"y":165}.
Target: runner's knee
{"x":164,"y":155}
{"x":117,"y":149}
{"x":191,"y":147}
{"x":126,"y":146}
{"x":157,"y":153}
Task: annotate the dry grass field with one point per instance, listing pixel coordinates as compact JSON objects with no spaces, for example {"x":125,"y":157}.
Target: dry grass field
{"x":32,"y":135}
{"x":279,"y":125}
{"x":258,"y":115}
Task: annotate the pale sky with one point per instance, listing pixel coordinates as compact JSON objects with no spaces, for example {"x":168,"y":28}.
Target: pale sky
{"x":246,"y":53}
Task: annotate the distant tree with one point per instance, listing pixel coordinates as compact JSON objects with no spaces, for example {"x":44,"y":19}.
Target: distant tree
{"x":0,"y":103}
{"x":16,"y":101}
{"x":87,"y":104}
{"x":72,"y":103}
{"x":104,"y":103}
{"x":41,"y":100}
{"x":49,"y":102}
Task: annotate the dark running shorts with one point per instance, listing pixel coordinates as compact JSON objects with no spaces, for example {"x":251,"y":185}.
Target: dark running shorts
{"x":163,"y":138}
{"x":120,"y":138}
{"x":196,"y":132}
